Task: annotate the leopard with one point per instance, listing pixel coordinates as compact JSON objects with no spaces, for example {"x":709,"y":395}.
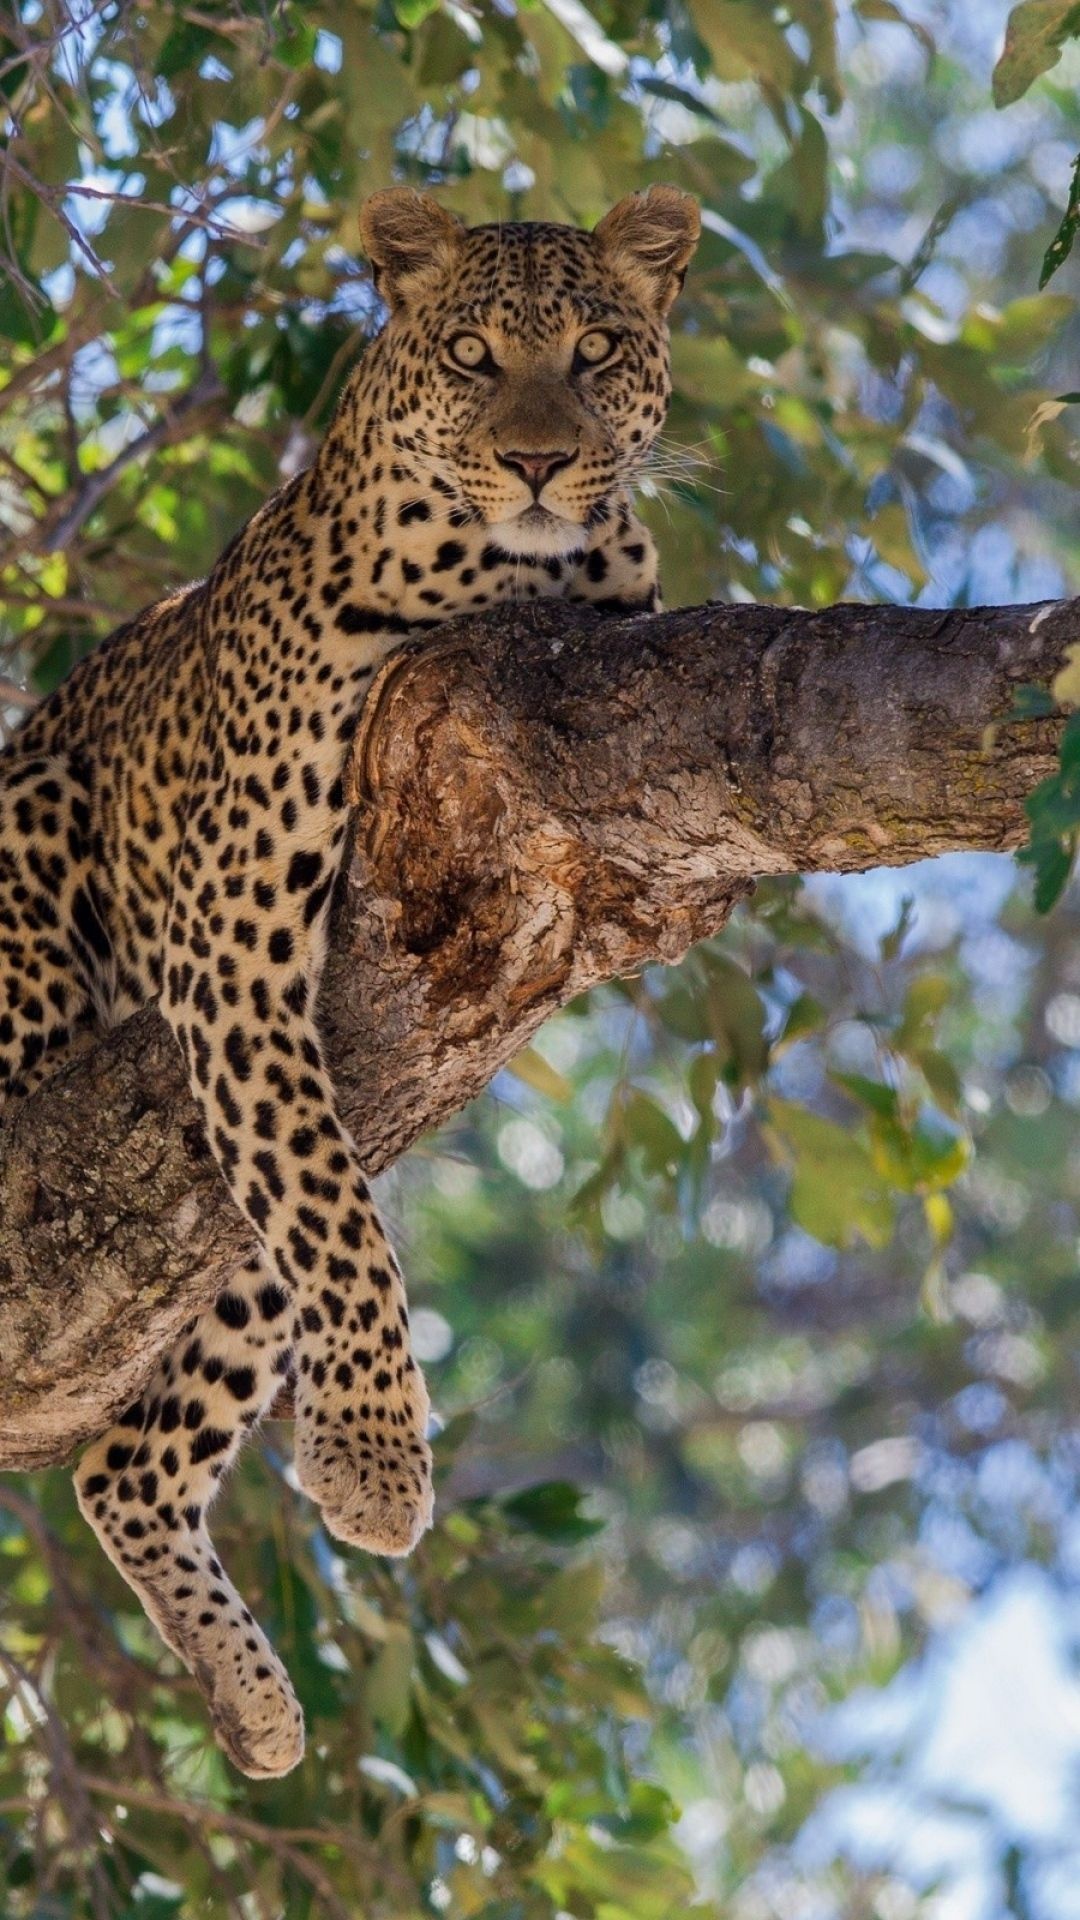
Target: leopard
{"x":172,"y":823}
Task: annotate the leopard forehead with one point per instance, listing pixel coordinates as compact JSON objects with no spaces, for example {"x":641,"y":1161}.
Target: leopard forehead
{"x":527,"y":277}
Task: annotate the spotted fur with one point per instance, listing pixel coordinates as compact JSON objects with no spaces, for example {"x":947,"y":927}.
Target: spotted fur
{"x":171,"y":825}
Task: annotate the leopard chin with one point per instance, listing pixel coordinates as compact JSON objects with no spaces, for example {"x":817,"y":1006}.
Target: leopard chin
{"x":539,"y":534}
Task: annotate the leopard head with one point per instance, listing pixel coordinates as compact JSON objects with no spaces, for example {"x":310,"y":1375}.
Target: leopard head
{"x":525,"y":366}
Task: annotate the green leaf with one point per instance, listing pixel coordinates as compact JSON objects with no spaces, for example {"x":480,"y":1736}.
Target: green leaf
{"x":926,"y":997}
{"x":650,"y":1813}
{"x":296,"y":44}
{"x":1052,"y":861}
{"x":553,"y":1511}
{"x":1028,"y":325}
{"x":940,"y":1152}
{"x":444,"y":52}
{"x":20,"y":1870}
{"x":1065,"y":684}
{"x":534,"y":1071}
{"x":1033,"y":40}
{"x":388,"y":1683}
{"x":941,"y":1077}
{"x":708,"y":371}
{"x":818,"y":21}
{"x":592,"y":95}
{"x":805,"y":1015}
{"x":1062,"y":243}
{"x":736,"y":1017}
{"x":685,"y":1012}
{"x":872,"y":1094}
{"x":28,"y":319}
{"x":644,"y":1124}
{"x":920,"y":1158}
{"x":681,"y":96}
{"x":745,"y":42}
{"x":837,"y":1193}
{"x":182,"y":49}
{"x":571,"y":1600}
{"x":701,"y":1081}
{"x":892,"y":942}
{"x":1052,"y":808}
{"x":412,"y":13}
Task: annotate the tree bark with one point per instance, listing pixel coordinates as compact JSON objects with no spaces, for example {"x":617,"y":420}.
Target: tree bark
{"x":546,"y":798}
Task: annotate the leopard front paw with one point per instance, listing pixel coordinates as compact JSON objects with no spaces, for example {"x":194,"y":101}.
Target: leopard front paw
{"x":371,"y":1480}
{"x":388,"y":1502}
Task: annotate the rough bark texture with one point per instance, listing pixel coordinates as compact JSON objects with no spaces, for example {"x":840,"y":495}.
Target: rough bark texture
{"x":546,"y":799}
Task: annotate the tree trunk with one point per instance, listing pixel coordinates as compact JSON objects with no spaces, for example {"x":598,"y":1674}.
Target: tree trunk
{"x":547,"y":798}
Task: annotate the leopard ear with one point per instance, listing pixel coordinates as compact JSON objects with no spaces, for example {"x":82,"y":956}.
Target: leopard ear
{"x":409,"y":239}
{"x":649,"y":239}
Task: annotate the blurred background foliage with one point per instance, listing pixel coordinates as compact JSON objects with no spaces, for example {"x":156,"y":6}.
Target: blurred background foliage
{"x":749,"y":1294}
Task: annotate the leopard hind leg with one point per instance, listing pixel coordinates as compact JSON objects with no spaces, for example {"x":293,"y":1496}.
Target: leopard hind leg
{"x":56,"y":965}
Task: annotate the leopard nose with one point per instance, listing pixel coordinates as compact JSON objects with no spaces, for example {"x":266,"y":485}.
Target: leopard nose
{"x":536,"y":469}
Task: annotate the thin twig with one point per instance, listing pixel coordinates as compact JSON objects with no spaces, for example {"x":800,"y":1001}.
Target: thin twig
{"x":286,"y":1842}
{"x":53,"y":198}
{"x":12,"y":695}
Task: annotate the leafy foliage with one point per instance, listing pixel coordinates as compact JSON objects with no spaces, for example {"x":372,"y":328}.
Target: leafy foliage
{"x":717,"y":1247}
{"x":479,"y":1763}
{"x":1034,"y":38}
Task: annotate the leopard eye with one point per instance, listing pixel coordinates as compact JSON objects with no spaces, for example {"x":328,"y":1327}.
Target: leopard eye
{"x":472,"y":353}
{"x":594,"y":348}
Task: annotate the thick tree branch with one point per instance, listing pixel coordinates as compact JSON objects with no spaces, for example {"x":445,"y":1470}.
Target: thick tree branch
{"x":548,"y":798}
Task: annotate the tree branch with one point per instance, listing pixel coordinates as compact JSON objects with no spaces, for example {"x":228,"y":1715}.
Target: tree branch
{"x":548,"y":798}
{"x":179,"y":418}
